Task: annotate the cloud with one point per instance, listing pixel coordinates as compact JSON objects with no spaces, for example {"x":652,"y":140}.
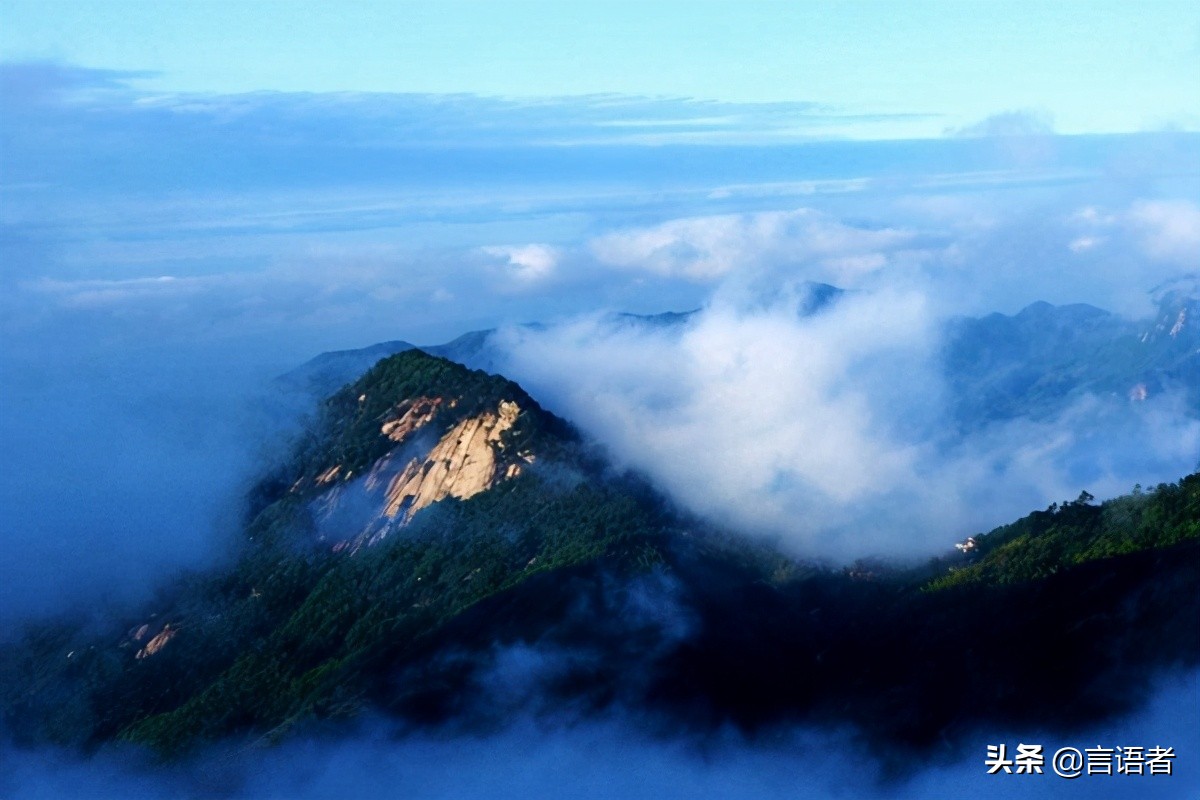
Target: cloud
{"x":1130,"y":248}
{"x":842,"y":408}
{"x":832,"y":424}
{"x":1163,"y":230}
{"x":529,"y":263}
{"x":27,"y":84}
{"x":992,"y":250}
{"x":132,"y":465}
{"x":1026,"y":122}
{"x":308,"y":294}
{"x":613,"y":757}
{"x":704,"y":249}
{"x":833,"y":431}
{"x":1084,"y":243}
{"x":304,"y":120}
{"x":1024,"y":139}
{"x":1170,"y":230}
{"x":100,"y":292}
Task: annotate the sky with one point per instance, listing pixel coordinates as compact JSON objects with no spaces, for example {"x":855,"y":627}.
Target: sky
{"x":1090,"y":66}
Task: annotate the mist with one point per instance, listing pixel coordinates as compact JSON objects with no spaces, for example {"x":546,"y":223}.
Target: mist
{"x":834,"y":431}
{"x":617,"y":756}
{"x":127,"y":465}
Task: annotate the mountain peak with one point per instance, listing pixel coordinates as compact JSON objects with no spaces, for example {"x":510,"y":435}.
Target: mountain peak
{"x":414,"y":430}
{"x":818,"y":296}
{"x":1175,"y":324}
{"x":520,"y":537}
{"x":1181,"y":288}
{"x":1040,"y":311}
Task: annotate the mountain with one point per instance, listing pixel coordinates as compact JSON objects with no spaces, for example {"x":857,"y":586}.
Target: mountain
{"x":330,"y":371}
{"x":441,"y":548}
{"x":424,"y":489}
{"x":1033,"y":364}
{"x":1037,"y":361}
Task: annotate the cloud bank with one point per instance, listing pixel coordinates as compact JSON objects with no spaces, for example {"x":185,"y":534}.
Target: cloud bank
{"x":833,"y":430}
{"x":609,"y":758}
{"x":706,"y":248}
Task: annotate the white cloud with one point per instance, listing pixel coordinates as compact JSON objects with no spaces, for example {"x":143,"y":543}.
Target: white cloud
{"x":1164,"y":230}
{"x":745,"y":416}
{"x":529,"y":263}
{"x":103,"y":292}
{"x":1170,"y":229}
{"x":1024,"y":122}
{"x":1090,"y":215}
{"x":704,"y":249}
{"x":1084,"y":243}
{"x":831,"y":431}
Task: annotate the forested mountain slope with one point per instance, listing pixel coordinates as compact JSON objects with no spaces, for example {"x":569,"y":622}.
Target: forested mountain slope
{"x":437,"y":526}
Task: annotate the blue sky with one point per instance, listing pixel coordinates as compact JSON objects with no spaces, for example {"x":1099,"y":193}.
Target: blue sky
{"x":1090,"y":67}
{"x":316,"y":152}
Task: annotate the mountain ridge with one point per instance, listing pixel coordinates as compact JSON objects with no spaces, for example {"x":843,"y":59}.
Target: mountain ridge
{"x":1033,"y":363}
{"x":627,"y":600}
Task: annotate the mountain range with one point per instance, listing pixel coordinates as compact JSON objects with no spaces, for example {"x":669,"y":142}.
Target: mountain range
{"x":1030,"y":364}
{"x":440,"y":548}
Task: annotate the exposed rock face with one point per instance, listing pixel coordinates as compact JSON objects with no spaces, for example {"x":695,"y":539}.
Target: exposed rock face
{"x":413,"y":415}
{"x":463,"y":463}
{"x":470,"y":457}
{"x":407,"y":417}
{"x":329,"y":475}
{"x":1179,"y":323}
{"x":158,"y":642}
